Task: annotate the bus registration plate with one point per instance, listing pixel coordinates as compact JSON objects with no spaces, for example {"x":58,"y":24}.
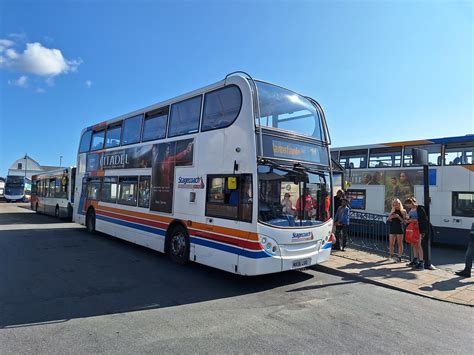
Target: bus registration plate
{"x":301,"y":263}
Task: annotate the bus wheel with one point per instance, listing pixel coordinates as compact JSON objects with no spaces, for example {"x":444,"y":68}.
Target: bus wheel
{"x":56,"y":212}
{"x":90,"y":221}
{"x":178,"y":245}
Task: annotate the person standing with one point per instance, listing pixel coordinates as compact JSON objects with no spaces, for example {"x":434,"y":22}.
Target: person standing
{"x":470,"y":249}
{"x":337,"y":199}
{"x":421,"y":249}
{"x":397,"y":218}
{"x":341,"y":221}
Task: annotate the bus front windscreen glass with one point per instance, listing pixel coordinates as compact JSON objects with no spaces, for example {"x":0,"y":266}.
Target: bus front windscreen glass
{"x":293,"y":198}
{"x":283,"y":109}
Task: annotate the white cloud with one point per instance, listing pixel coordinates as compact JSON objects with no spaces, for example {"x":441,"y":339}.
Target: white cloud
{"x":4,"y":44}
{"x":37,"y":59}
{"x":88,"y":84}
{"x":40,"y":90}
{"x":21,"y":82}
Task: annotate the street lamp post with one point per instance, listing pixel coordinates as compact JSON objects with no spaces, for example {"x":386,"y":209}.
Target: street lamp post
{"x":24,"y":182}
{"x":26,"y":164}
{"x":60,"y":160}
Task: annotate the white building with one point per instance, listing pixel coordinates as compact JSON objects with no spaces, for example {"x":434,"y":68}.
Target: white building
{"x":28,"y":166}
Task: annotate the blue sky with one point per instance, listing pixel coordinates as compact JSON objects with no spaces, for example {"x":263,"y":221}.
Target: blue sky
{"x":383,"y":70}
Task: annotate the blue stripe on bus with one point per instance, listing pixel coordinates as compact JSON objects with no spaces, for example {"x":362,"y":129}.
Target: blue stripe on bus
{"x":327,"y":246}
{"x":133,"y":225}
{"x":207,"y":243}
{"x":230,"y":249}
{"x":466,"y":138}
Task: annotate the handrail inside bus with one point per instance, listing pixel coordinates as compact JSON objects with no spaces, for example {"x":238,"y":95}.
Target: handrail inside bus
{"x":256,"y":104}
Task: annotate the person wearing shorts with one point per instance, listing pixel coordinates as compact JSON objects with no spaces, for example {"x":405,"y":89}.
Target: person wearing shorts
{"x":397,"y":218}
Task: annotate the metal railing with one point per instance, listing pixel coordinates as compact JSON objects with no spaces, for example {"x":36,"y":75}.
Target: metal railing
{"x":370,"y":232}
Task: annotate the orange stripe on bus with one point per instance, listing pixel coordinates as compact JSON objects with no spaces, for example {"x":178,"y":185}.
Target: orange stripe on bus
{"x":195,"y":225}
{"x":397,"y":144}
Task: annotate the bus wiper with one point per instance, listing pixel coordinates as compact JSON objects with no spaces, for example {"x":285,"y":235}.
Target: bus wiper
{"x":281,"y":167}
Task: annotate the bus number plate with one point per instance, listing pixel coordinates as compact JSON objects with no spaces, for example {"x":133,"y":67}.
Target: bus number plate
{"x":301,"y":263}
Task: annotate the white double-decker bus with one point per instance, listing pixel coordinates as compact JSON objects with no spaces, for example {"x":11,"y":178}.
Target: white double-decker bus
{"x":378,"y":173}
{"x":214,"y":176}
{"x":53,"y":192}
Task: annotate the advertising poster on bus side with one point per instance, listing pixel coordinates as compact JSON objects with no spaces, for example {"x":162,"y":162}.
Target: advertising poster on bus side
{"x":165,"y":157}
{"x":398,"y":183}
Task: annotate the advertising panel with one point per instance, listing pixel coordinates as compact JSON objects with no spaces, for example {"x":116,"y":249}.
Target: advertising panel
{"x":165,"y":157}
{"x":398,"y":183}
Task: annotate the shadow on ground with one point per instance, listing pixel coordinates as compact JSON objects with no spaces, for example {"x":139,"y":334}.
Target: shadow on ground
{"x":19,"y":218}
{"x":52,"y":275}
{"x":447,"y":285}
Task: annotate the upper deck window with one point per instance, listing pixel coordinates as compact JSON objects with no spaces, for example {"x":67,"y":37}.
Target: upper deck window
{"x":132,"y":128}
{"x":385,"y":157}
{"x":85,"y":142}
{"x":353,"y":159}
{"x":113,"y":136}
{"x":184,"y":118}
{"x":221,"y":108}
{"x":434,"y":154}
{"x":155,"y":124}
{"x":459,"y":154}
{"x":283,"y":109}
{"x":98,"y":140}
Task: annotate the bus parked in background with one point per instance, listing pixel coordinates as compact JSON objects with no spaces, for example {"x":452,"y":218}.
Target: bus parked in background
{"x":2,"y":189}
{"x":235,"y":175}
{"x":53,"y":192}
{"x":17,"y":189}
{"x":381,"y":172}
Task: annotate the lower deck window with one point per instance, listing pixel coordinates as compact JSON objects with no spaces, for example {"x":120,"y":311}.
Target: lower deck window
{"x":463,"y":204}
{"x":230,"y":197}
{"x":93,"y":188}
{"x":128,"y":190}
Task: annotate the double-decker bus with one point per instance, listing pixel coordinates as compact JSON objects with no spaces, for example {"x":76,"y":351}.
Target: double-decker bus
{"x":53,"y":192}
{"x":17,"y":188}
{"x":2,"y":188}
{"x":214,"y":176}
{"x":379,"y":173}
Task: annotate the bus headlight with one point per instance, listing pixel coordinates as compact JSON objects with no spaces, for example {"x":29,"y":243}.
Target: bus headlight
{"x":269,"y":245}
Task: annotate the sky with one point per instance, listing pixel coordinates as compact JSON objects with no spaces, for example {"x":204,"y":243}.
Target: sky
{"x":382,"y":70}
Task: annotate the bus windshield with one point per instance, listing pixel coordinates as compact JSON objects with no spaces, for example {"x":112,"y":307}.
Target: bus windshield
{"x":283,"y":109}
{"x":293,"y":198}
{"x":15,"y":180}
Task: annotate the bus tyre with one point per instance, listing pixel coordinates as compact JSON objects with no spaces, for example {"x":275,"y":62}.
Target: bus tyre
{"x":178,"y":245}
{"x":90,"y":221}
{"x":56,"y":212}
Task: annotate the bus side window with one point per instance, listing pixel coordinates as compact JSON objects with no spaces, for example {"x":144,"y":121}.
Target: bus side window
{"x":221,"y":108}
{"x":246,"y":198}
{"x":93,"y":188}
{"x":132,"y":128}
{"x":144,"y":191}
{"x":229,"y":203}
{"x":128,"y":190}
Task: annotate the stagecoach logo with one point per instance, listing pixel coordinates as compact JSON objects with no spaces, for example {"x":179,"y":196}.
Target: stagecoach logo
{"x":114,"y":160}
{"x":302,"y":236}
{"x":190,"y":182}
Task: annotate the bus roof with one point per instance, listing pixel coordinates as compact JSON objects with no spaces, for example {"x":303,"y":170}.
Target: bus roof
{"x":446,"y":140}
